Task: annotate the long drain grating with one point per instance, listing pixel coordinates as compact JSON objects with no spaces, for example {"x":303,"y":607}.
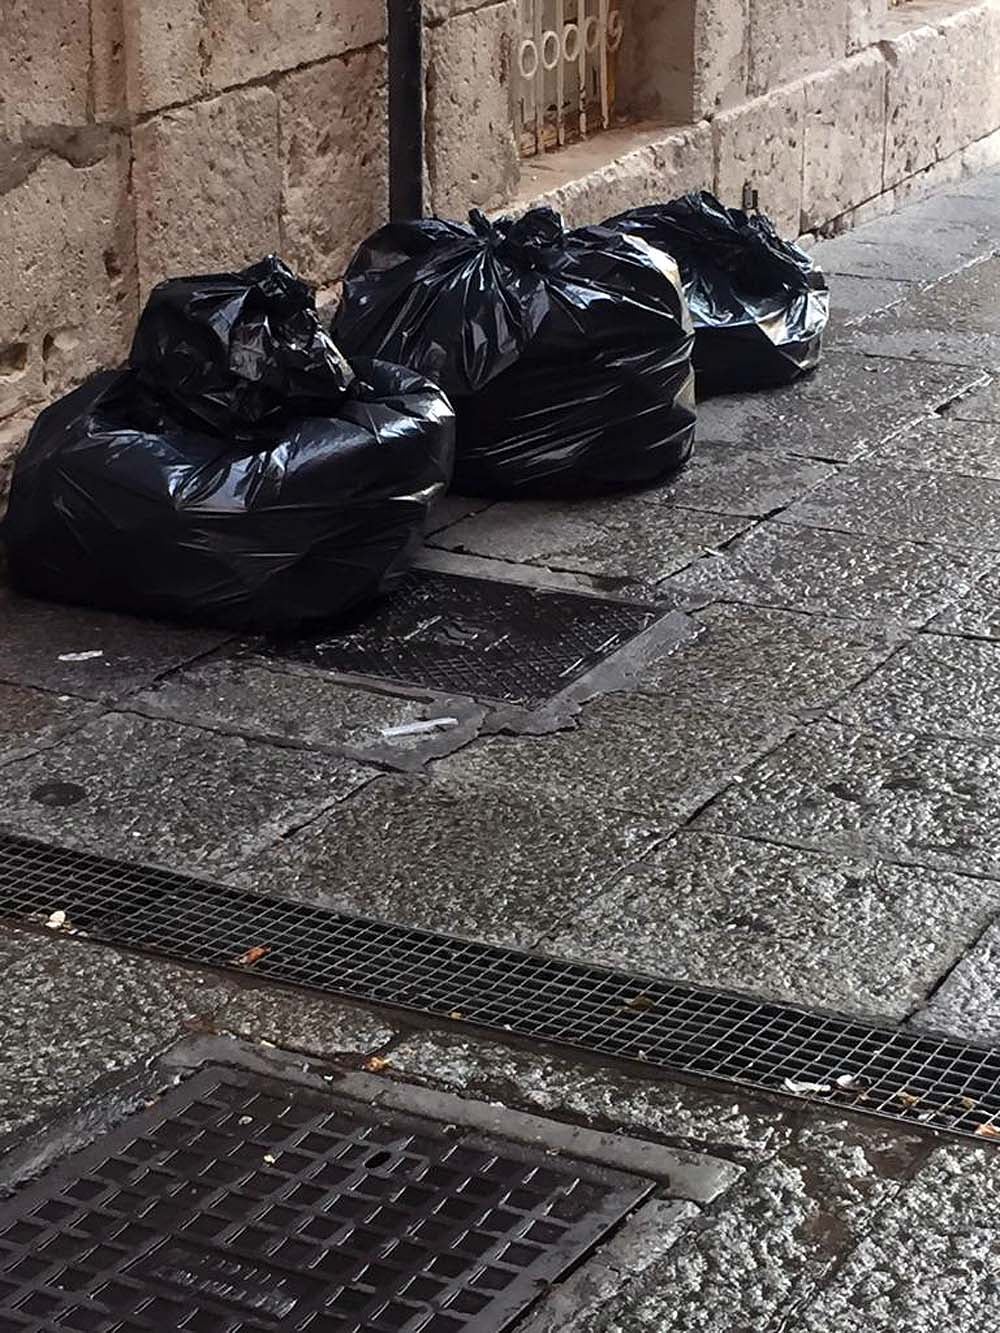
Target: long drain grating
{"x":881,"y":1071}
{"x":239,"y":1202}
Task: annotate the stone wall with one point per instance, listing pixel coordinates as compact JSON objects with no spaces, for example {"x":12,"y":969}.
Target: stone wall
{"x":140,"y":138}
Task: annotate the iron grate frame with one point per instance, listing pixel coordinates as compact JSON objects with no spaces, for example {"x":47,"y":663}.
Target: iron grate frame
{"x":244,"y":1202}
{"x":490,"y":639}
{"x":676,"y":1028}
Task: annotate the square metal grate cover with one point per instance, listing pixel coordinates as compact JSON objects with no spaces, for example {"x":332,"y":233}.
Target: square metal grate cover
{"x":241,"y":1202}
{"x":481,"y":637}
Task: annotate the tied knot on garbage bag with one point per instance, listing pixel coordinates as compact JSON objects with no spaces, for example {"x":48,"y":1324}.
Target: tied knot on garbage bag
{"x":238,"y":472}
{"x":566,"y":354}
{"x":758,"y":302}
{"x":237,"y":349}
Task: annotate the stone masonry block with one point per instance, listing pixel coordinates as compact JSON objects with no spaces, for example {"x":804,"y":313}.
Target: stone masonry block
{"x":44,"y":63}
{"x":866,"y":21}
{"x":471,"y":154}
{"x":334,"y":157}
{"x":761,"y":142}
{"x":13,"y":433}
{"x":107,"y":69}
{"x":671,"y":165}
{"x":721,"y":54}
{"x":844,"y":134}
{"x":67,"y":275}
{"x":789,"y":38}
{"x":943,"y":89}
{"x":208,"y":186}
{"x":188,"y":48}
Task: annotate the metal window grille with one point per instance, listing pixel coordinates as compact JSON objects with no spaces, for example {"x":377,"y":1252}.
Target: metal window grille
{"x":565,"y":66}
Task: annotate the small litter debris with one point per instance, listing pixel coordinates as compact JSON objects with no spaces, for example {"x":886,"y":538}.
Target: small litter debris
{"x":251,"y":956}
{"x":270,"y":1158}
{"x":81,"y":657}
{"x":907,"y":1098}
{"x":803,"y":1086}
{"x":418,"y":728}
{"x":245,"y":1120}
{"x":846,"y":1081}
{"x":639,"y":1002}
{"x":375,"y":1064}
{"x":456,"y":1014}
{"x":57,"y":920}
{"x":969,"y":1103}
{"x":988,"y":1132}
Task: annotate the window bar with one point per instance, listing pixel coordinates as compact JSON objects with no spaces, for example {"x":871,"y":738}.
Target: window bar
{"x":539,"y":78}
{"x":562,"y":39}
{"x":602,"y":47}
{"x":583,"y":20}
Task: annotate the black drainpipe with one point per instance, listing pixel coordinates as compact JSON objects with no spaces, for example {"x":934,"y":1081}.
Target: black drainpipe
{"x":406,"y":109}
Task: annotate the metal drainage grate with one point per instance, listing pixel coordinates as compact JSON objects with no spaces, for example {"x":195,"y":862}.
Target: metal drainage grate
{"x":479,"y":637}
{"x":883,"y":1071}
{"x":246,"y":1203}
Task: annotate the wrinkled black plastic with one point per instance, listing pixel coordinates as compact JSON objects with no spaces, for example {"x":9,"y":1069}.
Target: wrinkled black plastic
{"x":759,"y":303}
{"x":259,"y":482}
{"x":566,"y":354}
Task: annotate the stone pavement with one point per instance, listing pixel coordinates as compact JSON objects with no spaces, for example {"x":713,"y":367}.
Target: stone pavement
{"x":801,"y":801}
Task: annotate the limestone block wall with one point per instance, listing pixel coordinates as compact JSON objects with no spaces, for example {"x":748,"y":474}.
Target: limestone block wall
{"x":140,"y":138}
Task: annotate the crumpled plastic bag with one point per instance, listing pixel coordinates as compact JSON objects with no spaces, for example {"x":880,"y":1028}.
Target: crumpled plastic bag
{"x":759,"y":303}
{"x":239,"y":472}
{"x":567,"y":355}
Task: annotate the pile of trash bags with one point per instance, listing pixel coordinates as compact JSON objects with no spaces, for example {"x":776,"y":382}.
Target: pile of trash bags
{"x":248,"y":469}
{"x":238,"y":471}
{"x":566,"y":354}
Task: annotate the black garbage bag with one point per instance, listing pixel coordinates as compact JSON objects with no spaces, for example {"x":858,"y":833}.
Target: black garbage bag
{"x":238,"y":473}
{"x":759,"y":303}
{"x":567,"y":355}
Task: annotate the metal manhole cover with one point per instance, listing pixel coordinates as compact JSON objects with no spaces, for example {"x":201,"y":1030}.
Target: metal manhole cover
{"x":479,"y":637}
{"x":241,"y":1202}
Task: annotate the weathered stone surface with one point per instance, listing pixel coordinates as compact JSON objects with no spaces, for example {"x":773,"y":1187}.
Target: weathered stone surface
{"x":334,"y":145}
{"x":92,"y":654}
{"x":626,"y":538}
{"x":651,"y":756}
{"x":836,"y":573}
{"x":769,"y":661}
{"x":471,"y":155}
{"x":61,"y":319}
{"x":721,"y":54}
{"x":317,"y":1026}
{"x":967,"y":1003}
{"x":30,"y":719}
{"x":208,"y":185}
{"x":180,"y":796}
{"x":13,"y":433}
{"x":108,"y":64}
{"x":852,"y":298}
{"x":789,"y":38}
{"x":981,"y":404}
{"x":844,"y":132}
{"x":760,"y":142}
{"x":73,"y":1013}
{"x":558,"y":1086}
{"x":936,"y":685}
{"x":905,"y":503}
{"x":403,"y":851}
{"x":945,"y":444}
{"x":865,"y":23}
{"x":783,"y":923}
{"x":942,"y":91}
{"x":976,"y":614}
{"x":588,"y":182}
{"x":918,"y":799}
{"x":193,"y":47}
{"x":930,"y":1261}
{"x":956,"y":324}
{"x":44,"y":63}
{"x":851,"y":403}
{"x":260,"y":700}
{"x":743,"y":480}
